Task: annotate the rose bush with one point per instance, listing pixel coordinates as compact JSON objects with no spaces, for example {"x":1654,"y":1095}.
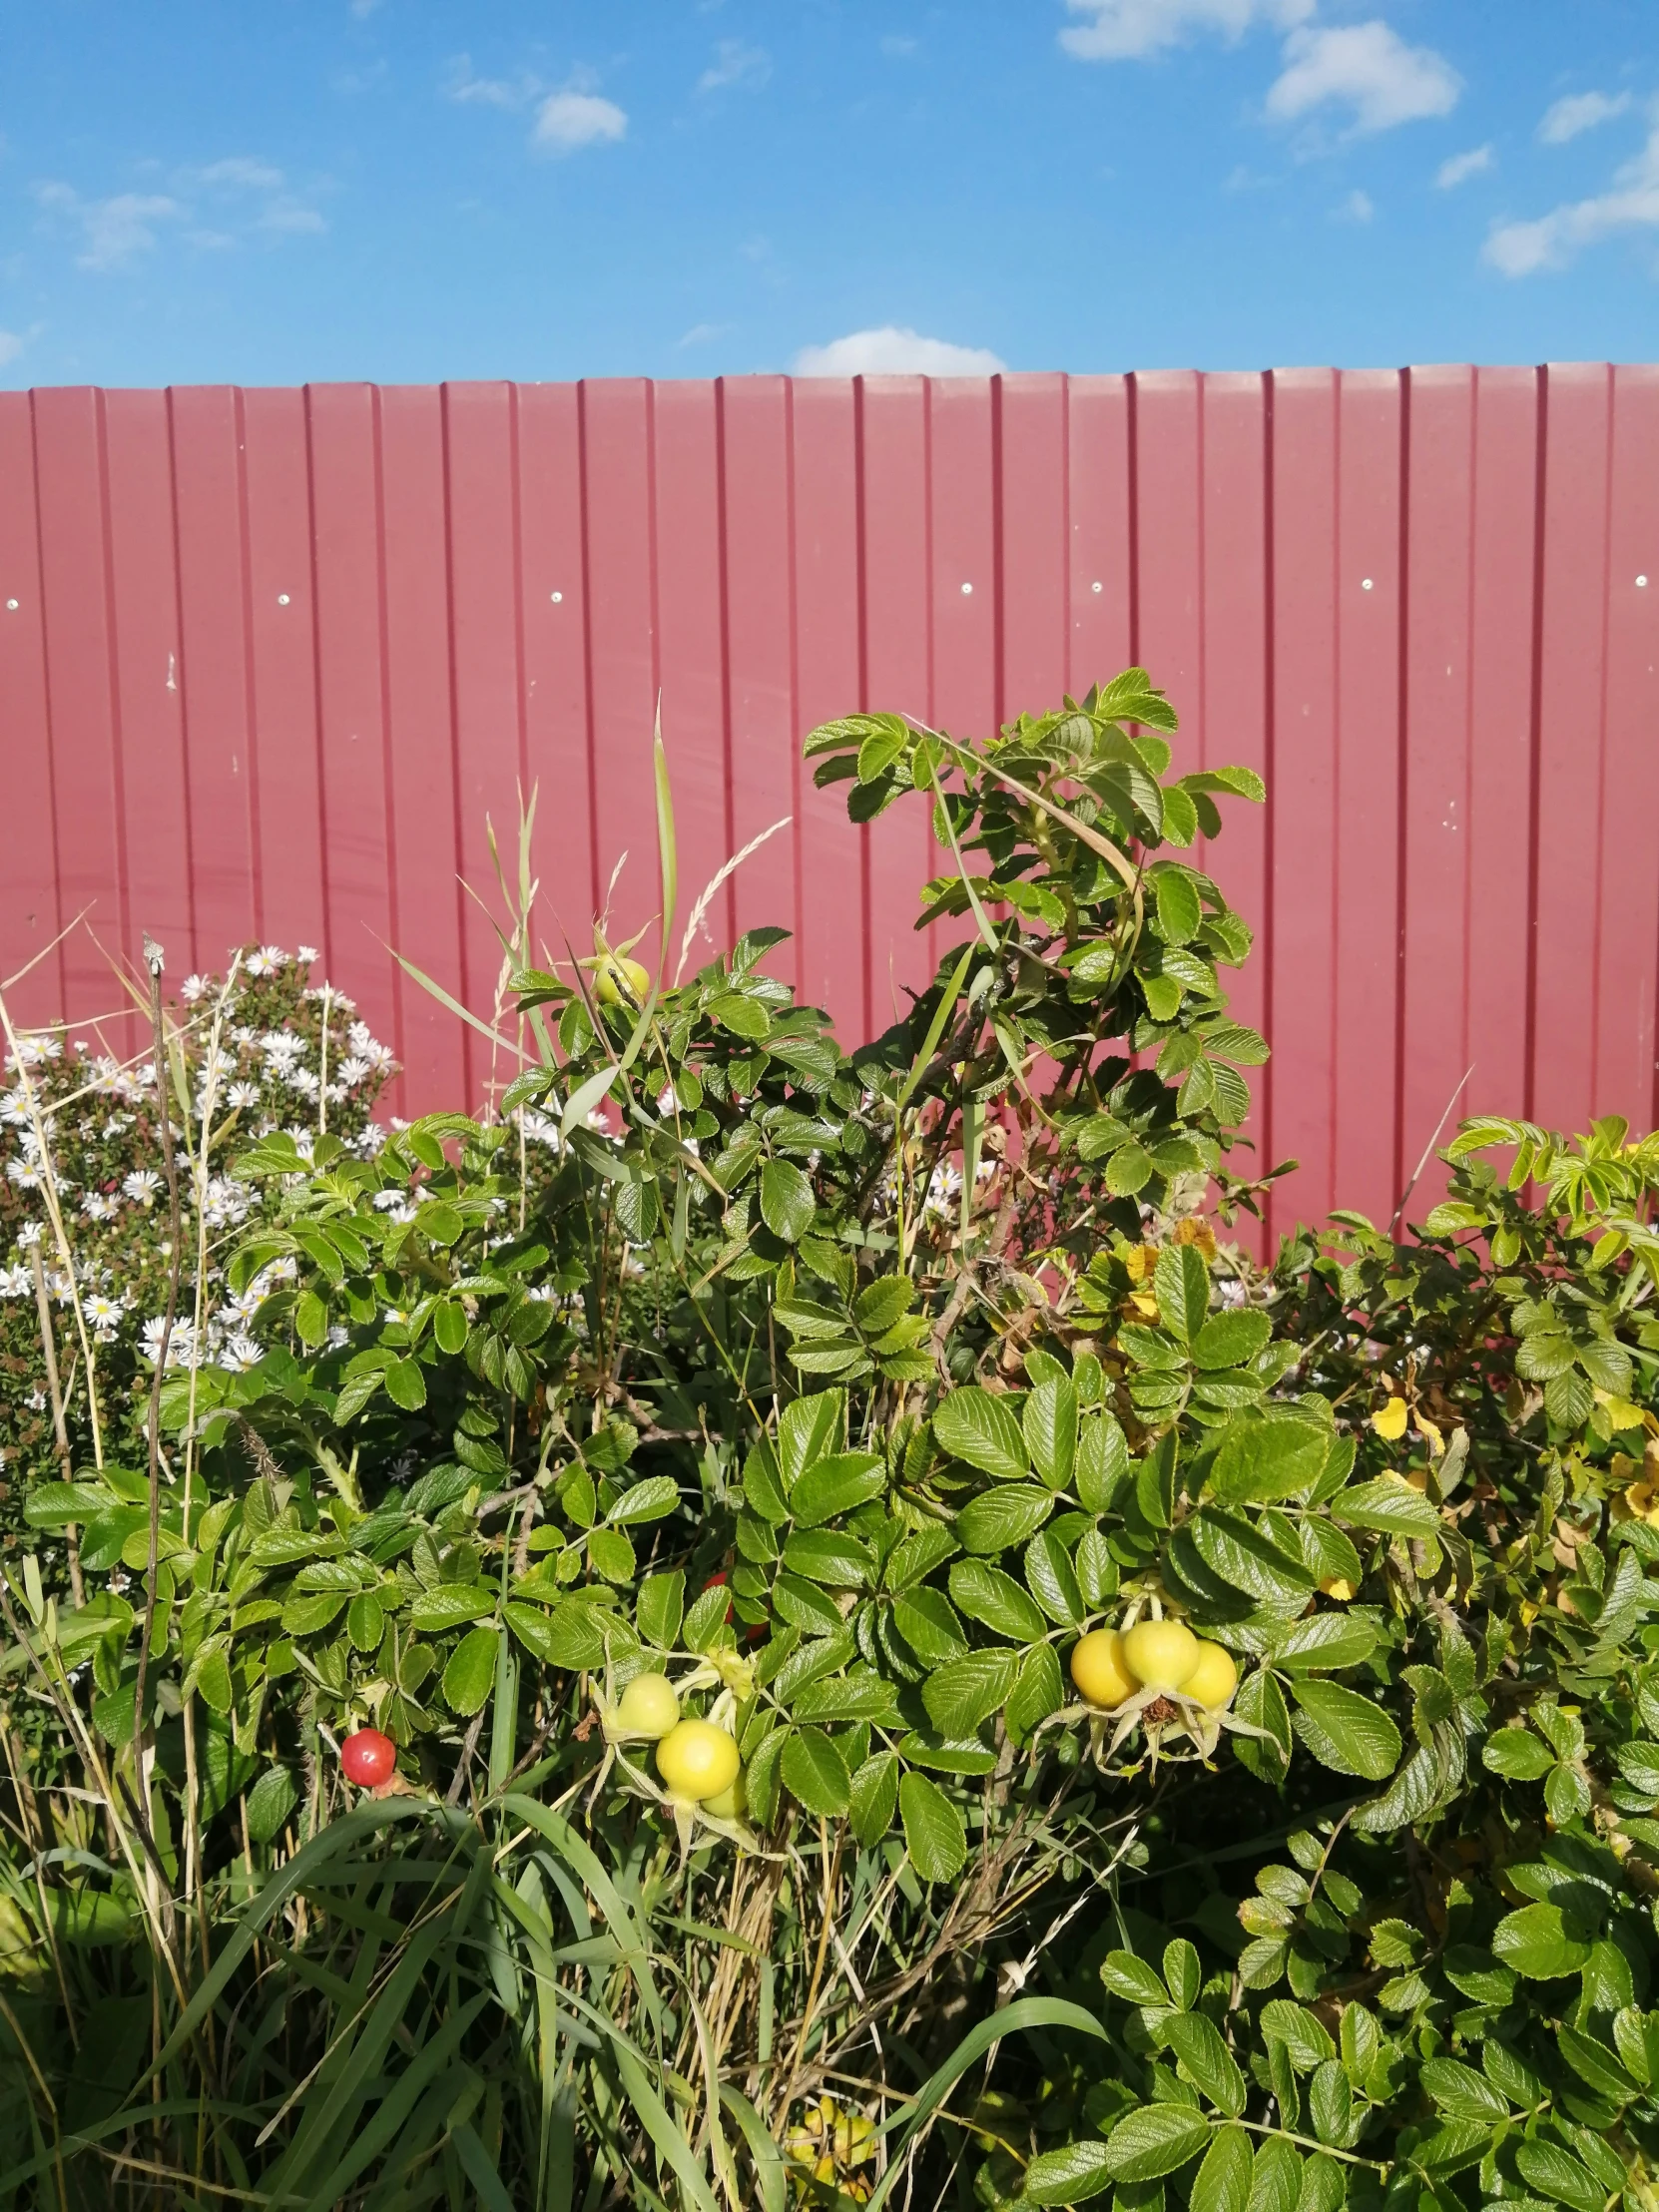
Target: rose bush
{"x":916,"y":1657}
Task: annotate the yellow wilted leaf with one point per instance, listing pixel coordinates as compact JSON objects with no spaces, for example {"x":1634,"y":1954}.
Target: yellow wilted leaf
{"x":1340,"y":1588}
{"x":1390,"y":1420}
{"x":1144,"y":1304}
{"x":1140,"y":1259}
{"x":1437,"y":1442}
{"x":1622,"y":1414}
{"x":1641,"y":1500}
{"x":1195,"y":1230}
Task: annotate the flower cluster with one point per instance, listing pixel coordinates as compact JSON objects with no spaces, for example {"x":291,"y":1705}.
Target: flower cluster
{"x":81,"y":1167}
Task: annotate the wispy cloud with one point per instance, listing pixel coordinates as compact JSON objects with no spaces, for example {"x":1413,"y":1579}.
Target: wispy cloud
{"x":249,"y":195}
{"x":1580,"y":110}
{"x":569,"y":120}
{"x":1365,"y":68}
{"x":736,"y":64}
{"x":462,"y":83}
{"x":896,"y":45}
{"x":10,"y":347}
{"x":1462,"y":167}
{"x":1554,"y":240}
{"x":1357,"y":207}
{"x":892,"y":352}
{"x":111,"y":231}
{"x":1130,"y":30}
{"x":702,"y":334}
{"x":210,"y":205}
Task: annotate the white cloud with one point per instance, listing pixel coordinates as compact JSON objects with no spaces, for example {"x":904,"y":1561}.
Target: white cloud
{"x":702,"y":333}
{"x":281,"y":213}
{"x":1462,"y":167}
{"x":289,"y":218}
{"x":257,"y":175}
{"x":10,"y":347}
{"x":1367,"y":68}
{"x":1358,"y":207}
{"x":243,"y":197}
{"x":896,"y":45}
{"x":736,"y":64}
{"x":1128,"y":29}
{"x":1580,"y":110}
{"x":111,"y":231}
{"x":567,"y":121}
{"x":491,"y":92}
{"x":1553,"y":240}
{"x":891,"y":351}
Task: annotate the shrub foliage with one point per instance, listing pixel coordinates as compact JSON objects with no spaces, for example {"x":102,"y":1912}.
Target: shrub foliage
{"x":848,"y":1392}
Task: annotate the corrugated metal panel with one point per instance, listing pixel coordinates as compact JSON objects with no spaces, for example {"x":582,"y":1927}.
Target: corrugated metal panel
{"x":269,"y":661}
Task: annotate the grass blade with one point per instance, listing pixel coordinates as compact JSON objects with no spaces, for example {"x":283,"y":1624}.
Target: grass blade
{"x":1023,"y":2012}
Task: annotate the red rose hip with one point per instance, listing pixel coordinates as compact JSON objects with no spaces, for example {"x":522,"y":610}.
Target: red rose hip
{"x":368,"y":1758}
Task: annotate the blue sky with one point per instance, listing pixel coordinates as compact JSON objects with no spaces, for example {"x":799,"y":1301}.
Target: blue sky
{"x":203,"y":191}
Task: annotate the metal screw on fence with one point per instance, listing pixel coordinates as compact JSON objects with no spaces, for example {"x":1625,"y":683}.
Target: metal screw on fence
{"x":282,"y":599}
{"x":11,"y":604}
{"x":966,"y":589}
{"x":1640,"y":580}
{"x":556,"y":597}
{"x":1364,"y":583}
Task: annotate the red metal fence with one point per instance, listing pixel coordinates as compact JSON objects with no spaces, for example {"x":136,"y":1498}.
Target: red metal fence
{"x":267,"y":659}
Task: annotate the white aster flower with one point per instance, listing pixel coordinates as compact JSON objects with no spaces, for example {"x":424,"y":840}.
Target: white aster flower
{"x":142,"y":1185}
{"x":34,"y":1052}
{"x":180,"y":1340}
{"x":192,"y":988}
{"x":242,"y":1095}
{"x":97,"y":1207}
{"x":240,"y":1354}
{"x":365,"y":1046}
{"x":227,"y":1202}
{"x":25,"y":1173}
{"x":16,"y":1282}
{"x":354,"y":1070}
{"x":103,"y":1310}
{"x":305,"y":954}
